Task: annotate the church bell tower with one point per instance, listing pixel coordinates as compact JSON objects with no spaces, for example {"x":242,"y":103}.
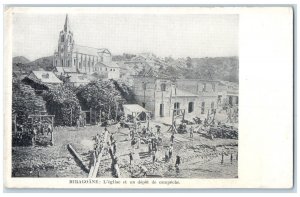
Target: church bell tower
{"x":63,"y":56}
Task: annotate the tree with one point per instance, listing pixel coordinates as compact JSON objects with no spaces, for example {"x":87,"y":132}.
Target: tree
{"x":62,"y":102}
{"x":25,"y":101}
{"x":189,"y":62}
{"x":100,"y":94}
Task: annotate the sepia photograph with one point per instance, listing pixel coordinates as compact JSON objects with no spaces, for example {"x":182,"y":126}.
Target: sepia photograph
{"x":127,"y":96}
{"x":148,"y":97}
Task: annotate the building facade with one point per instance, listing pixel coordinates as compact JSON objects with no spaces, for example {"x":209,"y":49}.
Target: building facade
{"x":162,"y":95}
{"x":81,"y":59}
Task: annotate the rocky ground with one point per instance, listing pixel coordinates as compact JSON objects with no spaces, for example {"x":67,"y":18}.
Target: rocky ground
{"x":200,"y":157}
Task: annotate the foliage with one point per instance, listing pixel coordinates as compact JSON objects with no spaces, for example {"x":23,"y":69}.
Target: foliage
{"x":125,"y":90}
{"x":25,"y":101}
{"x":100,"y":94}
{"x":62,"y":102}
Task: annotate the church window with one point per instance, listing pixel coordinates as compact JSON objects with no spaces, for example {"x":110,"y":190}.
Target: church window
{"x":74,"y":61}
{"x":62,"y":62}
{"x":62,"y":38}
{"x":163,"y":87}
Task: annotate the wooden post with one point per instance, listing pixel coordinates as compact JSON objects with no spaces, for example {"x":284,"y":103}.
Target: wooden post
{"x":71,"y":117}
{"x":108,"y":117}
{"x":116,"y":111}
{"x":91,"y":116}
{"x":52,"y":141}
{"x":77,"y":156}
{"x":100,"y":117}
{"x":15,"y":123}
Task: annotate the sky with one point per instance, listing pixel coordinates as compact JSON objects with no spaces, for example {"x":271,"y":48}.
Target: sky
{"x":197,"y":35}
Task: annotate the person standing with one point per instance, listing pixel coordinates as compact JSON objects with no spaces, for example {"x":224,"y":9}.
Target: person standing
{"x":130,"y":158}
{"x":170,"y":151}
{"x":172,"y":138}
{"x":138,"y":142}
{"x":191,"y":132}
{"x":167,"y":155}
{"x":177,"y":163}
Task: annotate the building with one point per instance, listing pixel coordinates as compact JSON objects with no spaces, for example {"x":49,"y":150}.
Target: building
{"x":207,"y":91}
{"x":44,"y":77}
{"x":77,"y":79}
{"x":109,"y":70}
{"x":228,"y":93}
{"x":77,"y":58}
{"x":162,"y":95}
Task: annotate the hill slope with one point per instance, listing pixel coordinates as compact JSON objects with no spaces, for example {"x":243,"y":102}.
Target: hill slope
{"x":20,"y":59}
{"x":44,"y":63}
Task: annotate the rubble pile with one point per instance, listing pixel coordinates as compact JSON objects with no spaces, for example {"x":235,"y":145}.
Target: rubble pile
{"x":224,"y":131}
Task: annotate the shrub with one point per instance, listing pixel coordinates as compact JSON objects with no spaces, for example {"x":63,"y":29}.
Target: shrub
{"x":25,"y":101}
{"x":62,"y":102}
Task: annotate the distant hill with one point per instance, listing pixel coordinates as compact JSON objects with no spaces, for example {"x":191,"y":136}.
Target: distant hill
{"x":209,"y":68}
{"x":20,"y":59}
{"x":44,"y":63}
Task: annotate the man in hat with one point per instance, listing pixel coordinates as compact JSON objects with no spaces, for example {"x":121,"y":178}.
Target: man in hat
{"x":191,"y":132}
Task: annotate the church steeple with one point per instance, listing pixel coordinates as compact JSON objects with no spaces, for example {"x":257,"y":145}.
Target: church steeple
{"x":67,"y":24}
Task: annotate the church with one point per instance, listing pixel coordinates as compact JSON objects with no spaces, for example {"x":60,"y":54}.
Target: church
{"x":73,"y":58}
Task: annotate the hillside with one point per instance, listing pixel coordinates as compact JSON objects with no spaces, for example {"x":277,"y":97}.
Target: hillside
{"x":216,"y":68}
{"x":20,"y":59}
{"x":44,"y":63}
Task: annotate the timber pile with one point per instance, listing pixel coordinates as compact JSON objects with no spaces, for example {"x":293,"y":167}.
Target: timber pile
{"x":223,"y":131}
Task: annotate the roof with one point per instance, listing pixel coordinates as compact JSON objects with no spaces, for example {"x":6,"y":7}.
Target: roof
{"x":44,"y":76}
{"x":182,"y":93}
{"x":89,"y":50}
{"x":66,"y":69}
{"x":59,"y":69}
{"x":129,"y":108}
{"x":228,"y":83}
{"x":108,"y":64}
{"x":70,"y":69}
{"x":78,"y":78}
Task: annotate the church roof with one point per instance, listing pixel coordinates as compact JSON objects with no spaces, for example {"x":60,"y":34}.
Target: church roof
{"x":89,"y":50}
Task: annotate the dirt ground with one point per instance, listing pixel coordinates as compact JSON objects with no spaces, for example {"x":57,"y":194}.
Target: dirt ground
{"x":200,"y":157}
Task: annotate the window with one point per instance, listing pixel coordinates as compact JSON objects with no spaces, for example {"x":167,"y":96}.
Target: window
{"x":176,"y":107}
{"x":191,"y":107}
{"x":144,"y":105}
{"x":212,"y":105}
{"x":204,"y":87}
{"x":144,"y":86}
{"x":202,"y":107}
{"x":163,"y":87}
{"x":74,"y":61}
{"x":62,"y":38}
{"x":219,"y":98}
{"x":68,"y":62}
{"x":62,"y":62}
{"x":80,"y":65}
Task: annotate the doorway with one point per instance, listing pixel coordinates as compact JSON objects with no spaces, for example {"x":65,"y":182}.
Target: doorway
{"x":161,"y":110}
